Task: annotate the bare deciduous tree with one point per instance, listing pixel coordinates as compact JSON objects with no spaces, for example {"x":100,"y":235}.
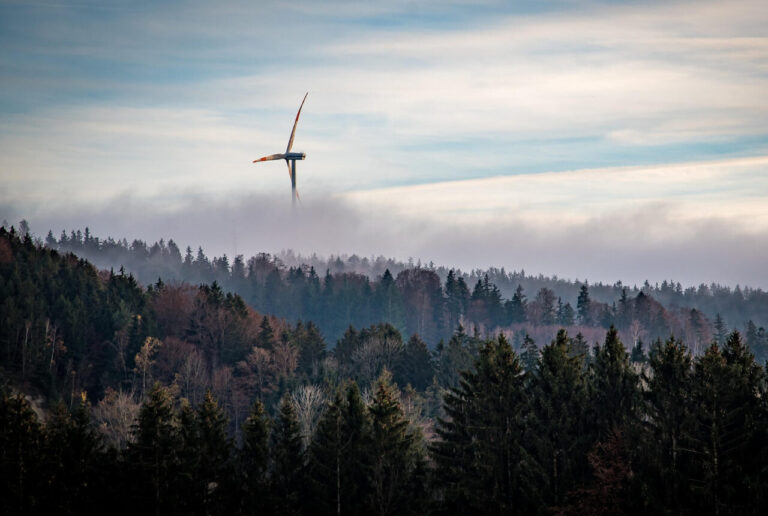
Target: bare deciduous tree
{"x":373,"y":355}
{"x":309,"y":402}
{"x":115,"y":415}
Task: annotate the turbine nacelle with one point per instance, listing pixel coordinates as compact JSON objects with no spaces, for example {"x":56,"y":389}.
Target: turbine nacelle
{"x":295,"y":155}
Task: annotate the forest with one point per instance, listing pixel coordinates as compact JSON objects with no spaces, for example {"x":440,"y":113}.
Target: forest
{"x":256,"y":387}
{"x":432,"y":300}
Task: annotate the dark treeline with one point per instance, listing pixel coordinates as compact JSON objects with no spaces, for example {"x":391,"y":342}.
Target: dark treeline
{"x":679,"y":435}
{"x":432,"y":301}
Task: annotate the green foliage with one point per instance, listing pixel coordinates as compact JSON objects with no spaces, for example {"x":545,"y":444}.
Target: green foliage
{"x":558,"y":420}
{"x":254,"y":461}
{"x":339,"y":457}
{"x":287,"y":459}
{"x":614,"y":390}
{"x":482,"y":464}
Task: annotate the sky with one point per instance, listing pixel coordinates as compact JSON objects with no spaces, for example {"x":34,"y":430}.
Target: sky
{"x":592,"y":140}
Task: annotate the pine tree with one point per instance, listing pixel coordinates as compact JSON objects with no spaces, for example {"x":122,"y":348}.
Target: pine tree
{"x":213,"y":468}
{"x":721,"y":330}
{"x":254,"y":461}
{"x":20,"y":467}
{"x":396,"y":456}
{"x":287,"y":459}
{"x":558,"y":419}
{"x":614,"y":386}
{"x":266,"y":336}
{"x":482,"y":466}
{"x":153,"y":456}
{"x":339,"y":458}
{"x":516,"y":307}
{"x":728,"y":472}
{"x":415,"y":366}
{"x":529,"y":354}
{"x":73,"y":457}
{"x":583,"y":306}
{"x":669,"y":418}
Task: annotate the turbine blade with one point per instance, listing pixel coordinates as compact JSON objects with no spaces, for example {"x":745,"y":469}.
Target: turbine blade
{"x":271,"y":157}
{"x":293,"y":133}
{"x":297,"y":196}
{"x":290,"y":171}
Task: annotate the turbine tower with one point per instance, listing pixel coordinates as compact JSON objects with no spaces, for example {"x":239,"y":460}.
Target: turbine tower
{"x":289,"y":157}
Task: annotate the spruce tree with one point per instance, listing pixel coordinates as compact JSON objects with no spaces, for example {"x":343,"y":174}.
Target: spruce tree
{"x":614,"y":386}
{"x":557,"y":424}
{"x":668,"y":409}
{"x":73,"y":452}
{"x":153,"y":456}
{"x":287,"y":459}
{"x":482,"y":466}
{"x":396,"y":458}
{"x":253,"y":461}
{"x":728,"y":470}
{"x":583,"y":305}
{"x":21,"y":460}
{"x":339,"y":459}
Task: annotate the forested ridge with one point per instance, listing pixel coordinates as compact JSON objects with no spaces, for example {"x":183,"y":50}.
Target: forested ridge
{"x":181,"y":398}
{"x":431,"y":300}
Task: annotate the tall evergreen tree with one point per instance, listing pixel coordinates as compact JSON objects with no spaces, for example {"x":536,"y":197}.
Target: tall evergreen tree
{"x":397,"y":463}
{"x":516,"y":307}
{"x":339,"y":458}
{"x":557,"y":428}
{"x":614,"y":386}
{"x":254,"y":461}
{"x":153,"y":456}
{"x":669,"y":419}
{"x":73,"y":461}
{"x":287,"y":459}
{"x":482,"y":465}
{"x":729,"y":423}
{"x":20,"y":458}
{"x":583,"y":305}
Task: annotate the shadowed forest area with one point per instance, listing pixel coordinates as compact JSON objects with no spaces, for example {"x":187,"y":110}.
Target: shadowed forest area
{"x":259,"y":387}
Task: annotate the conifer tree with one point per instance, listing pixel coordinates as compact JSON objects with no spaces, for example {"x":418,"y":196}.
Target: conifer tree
{"x":395,"y":455}
{"x":287,"y":459}
{"x":254,"y":461}
{"x":614,"y":386}
{"x":20,"y":458}
{"x":73,"y":459}
{"x":583,"y":305}
{"x":415,"y":366}
{"x":213,"y":471}
{"x":729,"y":423}
{"x":153,"y":456}
{"x":669,"y":419}
{"x":515,"y":307}
{"x":339,"y":460}
{"x":529,"y":354}
{"x":482,"y":464}
{"x":558,"y":419}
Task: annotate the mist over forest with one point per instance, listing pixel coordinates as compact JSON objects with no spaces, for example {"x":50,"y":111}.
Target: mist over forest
{"x":257,"y":385}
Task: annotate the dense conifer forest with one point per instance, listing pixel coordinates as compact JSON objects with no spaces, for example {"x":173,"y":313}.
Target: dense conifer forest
{"x":179,"y":385}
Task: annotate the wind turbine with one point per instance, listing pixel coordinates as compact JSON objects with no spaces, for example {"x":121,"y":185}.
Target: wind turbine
{"x":289,"y":157}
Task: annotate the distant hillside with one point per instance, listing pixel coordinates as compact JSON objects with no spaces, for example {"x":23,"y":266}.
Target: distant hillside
{"x":431,"y":300}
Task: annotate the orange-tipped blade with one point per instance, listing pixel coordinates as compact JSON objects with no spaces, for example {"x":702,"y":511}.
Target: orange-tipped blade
{"x":271,"y":157}
{"x":293,"y":132}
